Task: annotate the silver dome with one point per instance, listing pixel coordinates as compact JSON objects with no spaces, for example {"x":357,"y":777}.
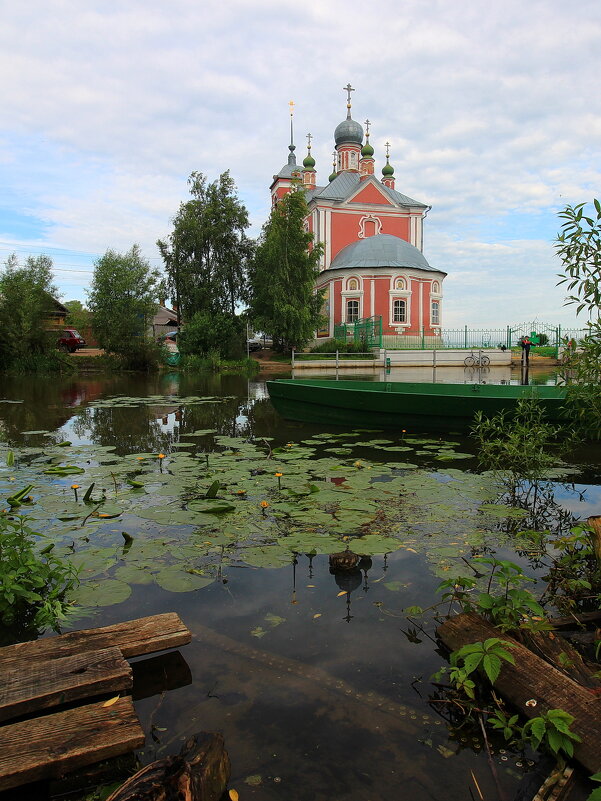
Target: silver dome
{"x":348,"y":132}
{"x":383,"y":250}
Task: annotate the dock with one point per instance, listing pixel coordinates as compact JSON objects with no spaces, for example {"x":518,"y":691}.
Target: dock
{"x":66,"y":701}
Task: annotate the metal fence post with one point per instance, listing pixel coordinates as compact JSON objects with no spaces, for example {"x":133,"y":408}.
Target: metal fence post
{"x":423,"y":338}
{"x":293,"y":358}
{"x":465,"y":337}
{"x":336,"y":359}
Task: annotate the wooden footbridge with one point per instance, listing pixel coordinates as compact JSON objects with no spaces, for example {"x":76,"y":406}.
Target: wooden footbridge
{"x":66,"y":701}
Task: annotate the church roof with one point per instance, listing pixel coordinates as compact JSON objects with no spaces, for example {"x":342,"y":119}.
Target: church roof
{"x":346,"y":183}
{"x":382,"y":250}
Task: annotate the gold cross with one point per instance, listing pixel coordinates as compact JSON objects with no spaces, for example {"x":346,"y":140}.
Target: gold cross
{"x":387,"y":146}
{"x":309,"y":137}
{"x":367,"y":124}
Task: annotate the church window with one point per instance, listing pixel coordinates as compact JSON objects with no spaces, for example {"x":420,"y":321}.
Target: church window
{"x":435,"y":316}
{"x":369,"y":226}
{"x":400,"y":283}
{"x":399,"y":311}
{"x":352,"y":311}
{"x":435,"y":287}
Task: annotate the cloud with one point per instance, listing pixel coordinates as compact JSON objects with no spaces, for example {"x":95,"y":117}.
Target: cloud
{"x":492,"y":113}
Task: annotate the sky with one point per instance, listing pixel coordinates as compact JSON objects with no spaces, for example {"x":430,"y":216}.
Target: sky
{"x":492,"y":111}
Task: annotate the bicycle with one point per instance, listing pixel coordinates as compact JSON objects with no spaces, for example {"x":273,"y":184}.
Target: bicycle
{"x":480,"y":360}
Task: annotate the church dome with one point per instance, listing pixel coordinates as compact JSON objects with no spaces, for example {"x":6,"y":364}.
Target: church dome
{"x":383,"y":250}
{"x":348,"y":132}
{"x":308,"y":162}
{"x":367,"y":150}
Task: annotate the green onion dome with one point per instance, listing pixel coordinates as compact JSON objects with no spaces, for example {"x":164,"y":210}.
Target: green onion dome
{"x":332,"y":176}
{"x":387,"y":169}
{"x":308,"y":162}
{"x":367,"y":150}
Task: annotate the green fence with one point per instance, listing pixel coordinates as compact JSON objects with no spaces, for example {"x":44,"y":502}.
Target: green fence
{"x":368,"y":330}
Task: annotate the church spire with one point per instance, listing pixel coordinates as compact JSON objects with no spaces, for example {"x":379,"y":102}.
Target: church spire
{"x":291,"y":146}
{"x":309,"y":177}
{"x":388,"y":169}
{"x":366,"y":163}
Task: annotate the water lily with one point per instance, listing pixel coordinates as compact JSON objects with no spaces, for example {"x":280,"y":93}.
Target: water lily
{"x":75,"y":487}
{"x":241,"y":492}
{"x":279,"y":478}
{"x":264,"y":506}
{"x":357,"y":464}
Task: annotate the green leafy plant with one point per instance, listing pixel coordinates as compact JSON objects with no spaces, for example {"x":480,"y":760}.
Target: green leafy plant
{"x":34,"y":583}
{"x":516,"y":445}
{"x":487,"y":657}
{"x":552,"y":731}
{"x":596,"y":794}
{"x":506,"y":724}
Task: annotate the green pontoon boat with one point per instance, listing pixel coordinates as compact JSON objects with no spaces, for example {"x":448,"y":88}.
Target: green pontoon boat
{"x":394,"y":404}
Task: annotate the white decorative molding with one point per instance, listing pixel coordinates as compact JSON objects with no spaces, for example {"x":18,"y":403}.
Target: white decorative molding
{"x":369,"y":218}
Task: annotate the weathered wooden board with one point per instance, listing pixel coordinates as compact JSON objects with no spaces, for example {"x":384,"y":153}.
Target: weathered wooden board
{"x":533,"y":678}
{"x":49,"y":746}
{"x":33,"y":685}
{"x":573,"y":621}
{"x":200,"y":772}
{"x":134,"y":637}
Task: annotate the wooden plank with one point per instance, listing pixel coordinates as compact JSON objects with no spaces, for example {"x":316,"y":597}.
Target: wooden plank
{"x":533,"y":678}
{"x":575,"y":621}
{"x":38,"y":685}
{"x":144,"y":635}
{"x":49,"y":746}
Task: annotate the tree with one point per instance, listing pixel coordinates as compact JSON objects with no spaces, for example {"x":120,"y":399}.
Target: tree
{"x":579,"y":248}
{"x":26,"y":303}
{"x":122,"y":301}
{"x":284,"y":303}
{"x":78,"y":316}
{"x":207,"y":252}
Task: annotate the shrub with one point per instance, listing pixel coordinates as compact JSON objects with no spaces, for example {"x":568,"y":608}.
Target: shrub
{"x":214,"y":336}
{"x":34,"y":584}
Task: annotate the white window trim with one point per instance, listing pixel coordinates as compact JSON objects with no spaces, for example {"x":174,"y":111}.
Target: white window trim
{"x":398,"y":322}
{"x":400,"y":294}
{"x":369,"y":218}
{"x":360,"y":304}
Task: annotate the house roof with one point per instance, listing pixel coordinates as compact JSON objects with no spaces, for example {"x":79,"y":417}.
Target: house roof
{"x":383,"y":250}
{"x":346,"y":183}
{"x":164,"y":316}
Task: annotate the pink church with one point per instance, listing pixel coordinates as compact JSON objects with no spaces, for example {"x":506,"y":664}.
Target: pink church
{"x":372,"y":236}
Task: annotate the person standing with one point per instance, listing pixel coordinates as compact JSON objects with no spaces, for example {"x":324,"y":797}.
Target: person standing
{"x":526,"y":344}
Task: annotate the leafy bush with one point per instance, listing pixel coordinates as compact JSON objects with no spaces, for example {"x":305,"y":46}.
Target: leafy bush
{"x":214,"y":336}
{"x":517,"y":442}
{"x":34,"y":584}
{"x":340,"y":345}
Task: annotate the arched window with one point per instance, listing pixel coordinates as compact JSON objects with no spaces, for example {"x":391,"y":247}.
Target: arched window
{"x":435,"y":287}
{"x":435,"y":316}
{"x":400,"y":283}
{"x":352,"y":284}
{"x":399,"y":311}
{"x":352,"y":311}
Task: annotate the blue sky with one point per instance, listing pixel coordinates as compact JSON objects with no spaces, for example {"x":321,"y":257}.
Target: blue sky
{"x":492,"y":111}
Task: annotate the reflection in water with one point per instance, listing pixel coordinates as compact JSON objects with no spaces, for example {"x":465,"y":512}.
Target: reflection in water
{"x":304,"y":669}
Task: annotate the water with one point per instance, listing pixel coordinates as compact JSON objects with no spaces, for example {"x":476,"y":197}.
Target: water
{"x":317,"y":681}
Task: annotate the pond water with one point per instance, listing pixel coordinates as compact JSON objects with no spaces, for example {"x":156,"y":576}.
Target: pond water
{"x":317,"y":679}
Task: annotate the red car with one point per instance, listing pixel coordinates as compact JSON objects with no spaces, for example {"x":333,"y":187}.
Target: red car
{"x":70,"y":340}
